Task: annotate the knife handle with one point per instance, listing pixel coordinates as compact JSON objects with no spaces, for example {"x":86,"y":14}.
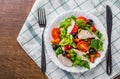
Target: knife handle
{"x":109,"y":61}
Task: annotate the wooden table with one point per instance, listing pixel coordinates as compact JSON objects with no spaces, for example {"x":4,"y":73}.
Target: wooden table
{"x":14,"y":62}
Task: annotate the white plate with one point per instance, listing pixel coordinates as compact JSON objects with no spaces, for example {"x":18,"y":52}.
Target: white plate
{"x":56,"y":23}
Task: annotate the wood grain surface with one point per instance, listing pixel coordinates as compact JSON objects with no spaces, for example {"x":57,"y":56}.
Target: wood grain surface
{"x":14,"y":62}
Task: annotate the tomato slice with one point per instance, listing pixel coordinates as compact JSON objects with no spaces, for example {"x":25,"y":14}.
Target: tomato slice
{"x":76,"y":40}
{"x":82,"y":18}
{"x":93,"y":28}
{"x":55,"y":33}
{"x":68,"y":55}
{"x":75,"y":29}
{"x":55,"y":41}
{"x":83,"y":46}
{"x":67,"y":47}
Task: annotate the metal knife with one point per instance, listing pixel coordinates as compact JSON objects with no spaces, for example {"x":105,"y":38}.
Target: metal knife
{"x":109,"y":30}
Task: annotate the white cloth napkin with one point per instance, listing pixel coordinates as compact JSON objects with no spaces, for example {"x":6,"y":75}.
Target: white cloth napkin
{"x":30,"y":35}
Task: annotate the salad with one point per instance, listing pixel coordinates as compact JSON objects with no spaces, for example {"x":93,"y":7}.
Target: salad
{"x":77,"y":42}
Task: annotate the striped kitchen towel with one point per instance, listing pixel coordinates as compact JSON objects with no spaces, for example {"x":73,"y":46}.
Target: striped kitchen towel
{"x":30,"y":35}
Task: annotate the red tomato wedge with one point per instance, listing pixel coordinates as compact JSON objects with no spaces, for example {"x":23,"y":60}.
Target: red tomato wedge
{"x":82,"y":18}
{"x":83,"y":46}
{"x":93,"y":28}
{"x":55,"y":33}
{"x":75,"y":29}
{"x":67,"y":47}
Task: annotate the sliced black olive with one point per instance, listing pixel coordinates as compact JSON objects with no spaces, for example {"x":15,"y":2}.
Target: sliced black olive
{"x":75,"y":35}
{"x":64,"y":53}
{"x":90,"y":21}
{"x":54,"y":46}
{"x":92,"y":51}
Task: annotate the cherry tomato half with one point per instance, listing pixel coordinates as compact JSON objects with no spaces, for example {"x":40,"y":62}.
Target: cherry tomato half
{"x":82,"y":18}
{"x":67,"y":47}
{"x":55,"y":33}
{"x":83,"y":46}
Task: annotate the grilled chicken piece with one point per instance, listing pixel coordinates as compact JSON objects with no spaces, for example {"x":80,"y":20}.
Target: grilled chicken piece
{"x":64,"y":60}
{"x":84,"y":34}
{"x":80,"y":53}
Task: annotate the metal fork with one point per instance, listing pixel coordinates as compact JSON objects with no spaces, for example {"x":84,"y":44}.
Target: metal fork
{"x":42,"y":24}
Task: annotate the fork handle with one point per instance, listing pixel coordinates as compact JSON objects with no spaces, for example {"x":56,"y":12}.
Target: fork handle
{"x":43,"y":58}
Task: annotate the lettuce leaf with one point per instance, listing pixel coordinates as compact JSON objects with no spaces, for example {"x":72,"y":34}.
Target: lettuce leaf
{"x":63,"y":33}
{"x":67,"y":40}
{"x":97,"y":44}
{"x":77,"y":61}
{"x":59,"y":51}
{"x":67,"y":22}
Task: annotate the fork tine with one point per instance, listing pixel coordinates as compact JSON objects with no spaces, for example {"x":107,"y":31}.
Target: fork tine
{"x":41,"y":16}
{"x":44,"y":19}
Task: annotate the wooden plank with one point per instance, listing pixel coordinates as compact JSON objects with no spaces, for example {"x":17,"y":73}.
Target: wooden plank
{"x":14,"y":62}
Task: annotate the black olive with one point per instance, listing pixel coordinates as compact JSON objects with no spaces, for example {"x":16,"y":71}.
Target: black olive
{"x":75,"y":35}
{"x":92,"y":51}
{"x":64,"y":53}
{"x":54,"y":46}
{"x":90,"y":21}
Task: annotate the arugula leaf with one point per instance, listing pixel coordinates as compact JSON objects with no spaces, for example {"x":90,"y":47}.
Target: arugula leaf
{"x":97,"y":44}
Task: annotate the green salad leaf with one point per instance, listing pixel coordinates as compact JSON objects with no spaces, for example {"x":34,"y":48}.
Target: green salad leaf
{"x":73,"y":17}
{"x":77,"y":61}
{"x":59,"y":51}
{"x":73,"y":54}
{"x":97,"y":44}
{"x":73,"y":44}
{"x":67,"y":22}
{"x":82,"y":63}
{"x":67,"y":40}
{"x":98,"y":34}
{"x":63,"y":33}
{"x":80,"y":23}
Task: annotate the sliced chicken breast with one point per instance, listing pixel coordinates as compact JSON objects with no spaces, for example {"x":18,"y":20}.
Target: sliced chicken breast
{"x":84,"y":34}
{"x":64,"y":60}
{"x":80,"y":53}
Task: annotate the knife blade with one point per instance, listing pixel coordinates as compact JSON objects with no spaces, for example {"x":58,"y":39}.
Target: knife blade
{"x":109,"y":30}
